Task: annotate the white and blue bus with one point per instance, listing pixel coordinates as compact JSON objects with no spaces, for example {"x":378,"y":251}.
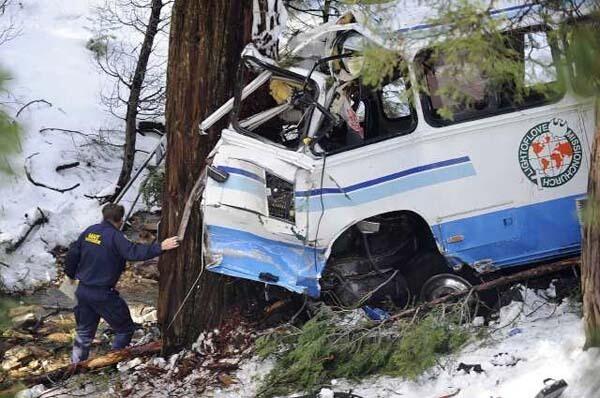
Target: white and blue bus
{"x":332,"y":187}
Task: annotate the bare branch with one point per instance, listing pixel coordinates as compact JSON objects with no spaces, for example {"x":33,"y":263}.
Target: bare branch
{"x":30,"y":103}
{"x":39,"y":184}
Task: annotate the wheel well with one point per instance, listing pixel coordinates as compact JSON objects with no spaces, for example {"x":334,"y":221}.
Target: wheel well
{"x":397,"y":246}
{"x":397,"y":225}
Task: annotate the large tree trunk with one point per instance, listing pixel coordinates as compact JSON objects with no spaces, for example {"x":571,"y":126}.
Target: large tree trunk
{"x":135,"y":90}
{"x":207,"y":37}
{"x":590,"y":256}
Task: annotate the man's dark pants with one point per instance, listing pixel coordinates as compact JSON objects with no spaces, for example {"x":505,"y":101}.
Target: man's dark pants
{"x":94,"y":303}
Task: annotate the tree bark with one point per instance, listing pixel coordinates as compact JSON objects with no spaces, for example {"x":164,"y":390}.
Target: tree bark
{"x":207,"y":37}
{"x":590,"y":256}
{"x":135,"y":90}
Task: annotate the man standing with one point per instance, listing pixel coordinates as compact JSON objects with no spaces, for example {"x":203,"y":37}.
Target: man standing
{"x":97,"y":260}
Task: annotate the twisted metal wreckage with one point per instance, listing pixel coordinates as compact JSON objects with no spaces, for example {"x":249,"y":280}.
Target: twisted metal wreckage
{"x":359,"y":194}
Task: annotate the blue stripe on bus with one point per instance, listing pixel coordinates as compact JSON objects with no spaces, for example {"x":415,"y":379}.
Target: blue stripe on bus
{"x":389,"y":188}
{"x":383,"y":179}
{"x":245,"y":173}
{"x":517,"y":235}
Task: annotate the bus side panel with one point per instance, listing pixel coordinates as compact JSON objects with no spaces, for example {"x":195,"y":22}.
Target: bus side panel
{"x":502,"y":188}
{"x":545,"y":230}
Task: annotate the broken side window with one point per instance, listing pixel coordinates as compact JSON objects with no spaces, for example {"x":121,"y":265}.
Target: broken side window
{"x":394,"y":100}
{"x":278,"y":110}
{"x":367,"y":115}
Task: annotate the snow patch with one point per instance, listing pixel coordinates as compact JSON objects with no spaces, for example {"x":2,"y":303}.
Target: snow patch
{"x":49,"y":61}
{"x":549,"y":345}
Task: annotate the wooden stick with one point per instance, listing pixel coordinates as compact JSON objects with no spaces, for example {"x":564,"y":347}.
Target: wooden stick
{"x":192,"y":198}
{"x":67,"y":166}
{"x":498,"y":282}
{"x":109,"y":359}
{"x":42,"y":219}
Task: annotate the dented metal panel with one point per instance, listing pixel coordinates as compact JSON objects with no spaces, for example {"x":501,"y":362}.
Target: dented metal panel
{"x":248,"y":255}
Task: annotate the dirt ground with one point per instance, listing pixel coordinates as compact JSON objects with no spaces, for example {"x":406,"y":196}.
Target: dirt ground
{"x":37,"y":330}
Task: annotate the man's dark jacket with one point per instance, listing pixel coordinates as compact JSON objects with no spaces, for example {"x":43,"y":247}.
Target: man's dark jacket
{"x":98,"y":257}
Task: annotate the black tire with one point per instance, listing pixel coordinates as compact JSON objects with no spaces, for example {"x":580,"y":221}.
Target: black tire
{"x":443,"y":284}
{"x":421,"y":268}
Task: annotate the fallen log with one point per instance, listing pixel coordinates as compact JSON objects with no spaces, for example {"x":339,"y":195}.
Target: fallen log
{"x":42,"y":219}
{"x":66,"y":166}
{"x":493,"y":284}
{"x":103,"y":361}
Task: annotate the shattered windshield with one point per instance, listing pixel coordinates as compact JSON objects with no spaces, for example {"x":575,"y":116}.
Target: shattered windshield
{"x":275,"y":104}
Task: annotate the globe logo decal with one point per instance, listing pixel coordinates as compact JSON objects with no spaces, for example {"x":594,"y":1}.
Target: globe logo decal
{"x":550,"y":154}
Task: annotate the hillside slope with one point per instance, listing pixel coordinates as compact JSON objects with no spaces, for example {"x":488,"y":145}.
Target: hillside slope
{"x":49,"y":61}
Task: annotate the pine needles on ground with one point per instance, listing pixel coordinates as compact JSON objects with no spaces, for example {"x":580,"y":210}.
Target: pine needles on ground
{"x":329,"y":347}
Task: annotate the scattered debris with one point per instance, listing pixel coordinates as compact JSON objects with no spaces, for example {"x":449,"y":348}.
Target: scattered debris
{"x":515,"y":331}
{"x":452,"y":394}
{"x":128,"y":365}
{"x":504,"y":359}
{"x":376,"y":314}
{"x":553,"y":389}
{"x":468,"y":368}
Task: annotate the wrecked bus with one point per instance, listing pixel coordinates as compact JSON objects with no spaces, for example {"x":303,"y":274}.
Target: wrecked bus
{"x":333,"y":188}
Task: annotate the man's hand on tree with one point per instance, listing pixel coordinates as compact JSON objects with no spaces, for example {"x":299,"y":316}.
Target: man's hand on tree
{"x":170,"y":243}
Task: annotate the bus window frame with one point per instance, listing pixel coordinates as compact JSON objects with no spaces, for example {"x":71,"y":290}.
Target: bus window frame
{"x":571,"y":63}
{"x":380,"y":115}
{"x":537,"y":100}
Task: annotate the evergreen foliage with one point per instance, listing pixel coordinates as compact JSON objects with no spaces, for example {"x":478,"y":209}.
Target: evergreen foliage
{"x":153,"y":187}
{"x":423,"y":344}
{"x":9,"y":132}
{"x":475,"y":44}
{"x":582,"y":43}
{"x":99,"y":44}
{"x":328,"y":347}
{"x":379,"y":65}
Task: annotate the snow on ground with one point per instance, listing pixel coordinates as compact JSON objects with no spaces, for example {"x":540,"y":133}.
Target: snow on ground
{"x":49,"y":61}
{"x":544,"y":339}
{"x":531,"y":340}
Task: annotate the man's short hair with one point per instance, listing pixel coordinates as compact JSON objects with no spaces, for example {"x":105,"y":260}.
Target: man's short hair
{"x":113,"y":212}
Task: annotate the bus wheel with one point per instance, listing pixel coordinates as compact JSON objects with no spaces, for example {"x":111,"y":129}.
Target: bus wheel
{"x":443,"y":284}
{"x":421,"y":268}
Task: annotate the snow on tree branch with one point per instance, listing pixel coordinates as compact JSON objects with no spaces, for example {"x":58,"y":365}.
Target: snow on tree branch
{"x":269,"y":21}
